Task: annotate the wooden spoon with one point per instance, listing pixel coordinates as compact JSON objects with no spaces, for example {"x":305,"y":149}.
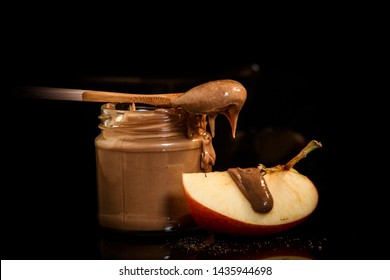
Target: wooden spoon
{"x":51,"y":93}
{"x":162,"y":100}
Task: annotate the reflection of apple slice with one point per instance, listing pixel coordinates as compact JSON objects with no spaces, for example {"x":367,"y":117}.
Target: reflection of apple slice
{"x":217,"y":204}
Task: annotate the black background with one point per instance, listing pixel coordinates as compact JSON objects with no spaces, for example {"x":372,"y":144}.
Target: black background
{"x":311,"y":75}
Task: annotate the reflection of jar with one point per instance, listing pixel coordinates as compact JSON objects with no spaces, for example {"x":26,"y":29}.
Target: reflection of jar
{"x":141,"y":155}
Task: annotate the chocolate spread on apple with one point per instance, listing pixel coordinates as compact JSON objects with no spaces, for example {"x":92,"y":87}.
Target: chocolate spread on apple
{"x":252,"y":184}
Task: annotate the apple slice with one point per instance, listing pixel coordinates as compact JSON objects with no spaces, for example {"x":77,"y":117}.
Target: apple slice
{"x":217,"y":203}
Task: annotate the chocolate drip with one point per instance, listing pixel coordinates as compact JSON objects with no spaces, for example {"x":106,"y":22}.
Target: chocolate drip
{"x":252,"y":184}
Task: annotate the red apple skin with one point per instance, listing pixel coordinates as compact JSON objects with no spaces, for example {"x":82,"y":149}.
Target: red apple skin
{"x":219,"y":223}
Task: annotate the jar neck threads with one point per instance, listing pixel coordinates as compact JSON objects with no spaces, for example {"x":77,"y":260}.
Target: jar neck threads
{"x":143,"y":121}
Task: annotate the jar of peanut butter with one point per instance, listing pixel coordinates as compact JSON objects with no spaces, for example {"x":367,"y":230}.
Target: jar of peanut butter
{"x":141,"y":154}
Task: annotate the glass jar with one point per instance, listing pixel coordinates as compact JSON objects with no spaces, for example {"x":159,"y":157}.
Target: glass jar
{"x":140,"y":155}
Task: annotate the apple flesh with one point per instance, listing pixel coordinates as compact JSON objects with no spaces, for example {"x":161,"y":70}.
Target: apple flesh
{"x":217,"y":204}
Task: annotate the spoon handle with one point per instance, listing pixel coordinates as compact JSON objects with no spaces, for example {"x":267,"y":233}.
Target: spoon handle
{"x":163,"y":100}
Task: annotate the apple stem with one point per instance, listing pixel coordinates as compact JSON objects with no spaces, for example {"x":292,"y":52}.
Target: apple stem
{"x":313,"y":144}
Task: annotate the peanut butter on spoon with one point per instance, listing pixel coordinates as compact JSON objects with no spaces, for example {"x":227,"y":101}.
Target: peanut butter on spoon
{"x":225,"y":97}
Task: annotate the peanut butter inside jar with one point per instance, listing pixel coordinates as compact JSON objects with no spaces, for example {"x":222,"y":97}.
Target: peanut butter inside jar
{"x":141,"y":154}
